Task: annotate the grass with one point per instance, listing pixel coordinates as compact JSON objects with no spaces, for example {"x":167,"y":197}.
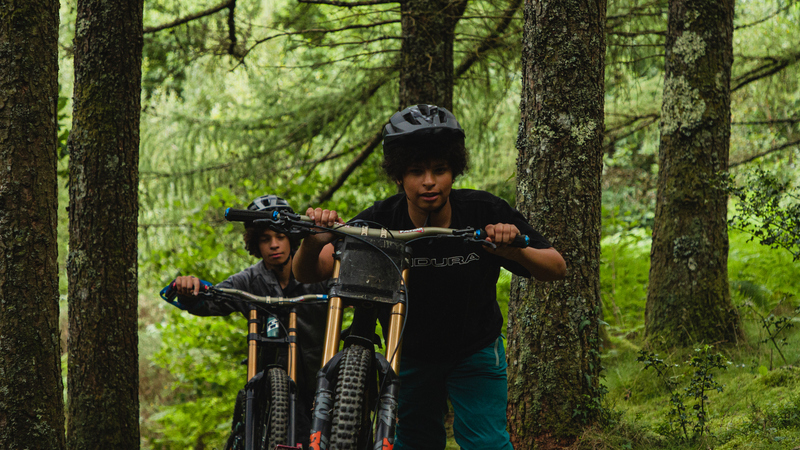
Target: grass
{"x":759,"y":407}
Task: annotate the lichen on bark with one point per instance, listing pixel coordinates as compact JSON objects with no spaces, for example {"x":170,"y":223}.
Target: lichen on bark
{"x":682,"y":107}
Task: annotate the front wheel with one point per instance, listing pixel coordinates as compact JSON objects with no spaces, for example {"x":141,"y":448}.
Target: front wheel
{"x":351,"y":424}
{"x":272,"y":412}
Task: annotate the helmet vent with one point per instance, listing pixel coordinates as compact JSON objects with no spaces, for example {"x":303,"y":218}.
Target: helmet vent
{"x":410,"y":118}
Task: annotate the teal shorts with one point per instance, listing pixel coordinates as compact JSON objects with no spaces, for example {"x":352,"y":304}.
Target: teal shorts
{"x":477,"y":387}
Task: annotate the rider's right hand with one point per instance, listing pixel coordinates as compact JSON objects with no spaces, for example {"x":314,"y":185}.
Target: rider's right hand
{"x":323,"y":218}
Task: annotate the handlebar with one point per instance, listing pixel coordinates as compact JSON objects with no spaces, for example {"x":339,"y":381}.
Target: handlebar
{"x":169,"y":294}
{"x":289,"y":223}
{"x":265,"y":300}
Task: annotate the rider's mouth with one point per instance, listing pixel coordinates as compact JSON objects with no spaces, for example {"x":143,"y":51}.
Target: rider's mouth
{"x":429,"y":196}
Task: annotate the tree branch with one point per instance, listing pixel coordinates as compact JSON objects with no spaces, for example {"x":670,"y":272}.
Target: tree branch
{"x":491,"y":41}
{"x":191,"y":17}
{"x":768,"y":122}
{"x":780,"y":10}
{"x":365,"y":152}
{"x":348,"y":4}
{"x":318,"y":30}
{"x":770,"y":68}
{"x":636,"y":33}
{"x":764,"y":153}
{"x":616,"y":134}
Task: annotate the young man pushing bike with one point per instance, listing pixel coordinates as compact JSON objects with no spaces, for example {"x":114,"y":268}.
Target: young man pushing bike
{"x":271,"y":276}
{"x":452,"y":347}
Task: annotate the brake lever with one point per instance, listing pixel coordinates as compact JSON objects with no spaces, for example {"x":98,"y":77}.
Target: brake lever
{"x":482,"y":242}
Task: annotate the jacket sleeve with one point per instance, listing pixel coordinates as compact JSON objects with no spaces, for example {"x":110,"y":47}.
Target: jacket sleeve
{"x":220,"y":307}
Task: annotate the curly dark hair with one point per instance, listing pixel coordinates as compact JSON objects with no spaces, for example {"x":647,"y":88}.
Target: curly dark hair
{"x":424,"y":149}
{"x":252,"y":235}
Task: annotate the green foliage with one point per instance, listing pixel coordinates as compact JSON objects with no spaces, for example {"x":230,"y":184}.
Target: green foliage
{"x":203,"y":355}
{"x":625,"y":258}
{"x":775,"y":327}
{"x":703,"y":381}
{"x":768,"y":207}
{"x":677,"y":413}
{"x":766,"y":278}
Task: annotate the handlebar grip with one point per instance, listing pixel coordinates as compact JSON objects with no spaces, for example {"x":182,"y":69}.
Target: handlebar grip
{"x":246,"y":215}
{"x":521,"y":241}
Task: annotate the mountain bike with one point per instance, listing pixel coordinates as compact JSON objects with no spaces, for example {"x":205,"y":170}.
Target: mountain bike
{"x":355,"y":404}
{"x":264,"y":416}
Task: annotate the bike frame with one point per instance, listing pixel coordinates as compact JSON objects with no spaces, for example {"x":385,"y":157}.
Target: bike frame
{"x":253,"y":340}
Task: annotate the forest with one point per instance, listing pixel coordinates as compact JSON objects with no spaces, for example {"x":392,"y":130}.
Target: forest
{"x":678,"y":215}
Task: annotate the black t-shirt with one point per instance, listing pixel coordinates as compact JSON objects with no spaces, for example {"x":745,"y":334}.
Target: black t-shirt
{"x":452,"y":308}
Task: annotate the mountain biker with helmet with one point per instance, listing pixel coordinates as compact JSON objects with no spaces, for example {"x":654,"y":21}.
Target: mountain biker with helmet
{"x":271,"y":276}
{"x":452,"y":347}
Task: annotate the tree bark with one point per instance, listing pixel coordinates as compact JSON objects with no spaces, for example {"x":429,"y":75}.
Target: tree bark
{"x":31,"y":390}
{"x":426,"y":54}
{"x":102,"y":264}
{"x":554,"y":341}
{"x":688,"y":299}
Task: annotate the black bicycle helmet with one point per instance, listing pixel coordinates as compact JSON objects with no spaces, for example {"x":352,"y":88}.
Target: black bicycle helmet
{"x":270,"y":202}
{"x":252,"y":235}
{"x":420,"y":121}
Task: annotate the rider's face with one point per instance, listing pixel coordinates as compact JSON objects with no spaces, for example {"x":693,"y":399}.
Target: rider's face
{"x":427,"y":185}
{"x":275,"y":248}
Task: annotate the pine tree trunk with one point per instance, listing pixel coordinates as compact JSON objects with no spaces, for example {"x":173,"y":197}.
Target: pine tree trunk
{"x":31,"y":390}
{"x":426,"y":72}
{"x":102,"y":265}
{"x":553,"y":348}
{"x":688,"y":298}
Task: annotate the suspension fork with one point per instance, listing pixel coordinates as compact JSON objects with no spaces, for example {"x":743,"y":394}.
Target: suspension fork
{"x":292,"y":371}
{"x":333,"y":325}
{"x":393,"y":338}
{"x":252,"y":365}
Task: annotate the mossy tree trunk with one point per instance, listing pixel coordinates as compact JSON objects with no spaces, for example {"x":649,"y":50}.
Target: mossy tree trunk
{"x":426,"y":71}
{"x":688,"y":299}
{"x":31,"y":391}
{"x":554,"y":343}
{"x":102,"y":266}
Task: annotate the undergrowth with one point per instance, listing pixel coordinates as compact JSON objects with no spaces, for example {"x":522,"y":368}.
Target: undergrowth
{"x":754,"y":403}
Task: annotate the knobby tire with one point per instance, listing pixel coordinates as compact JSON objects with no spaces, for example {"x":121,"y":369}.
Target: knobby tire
{"x":273,"y":419}
{"x":271,"y":414}
{"x":351,"y":425}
